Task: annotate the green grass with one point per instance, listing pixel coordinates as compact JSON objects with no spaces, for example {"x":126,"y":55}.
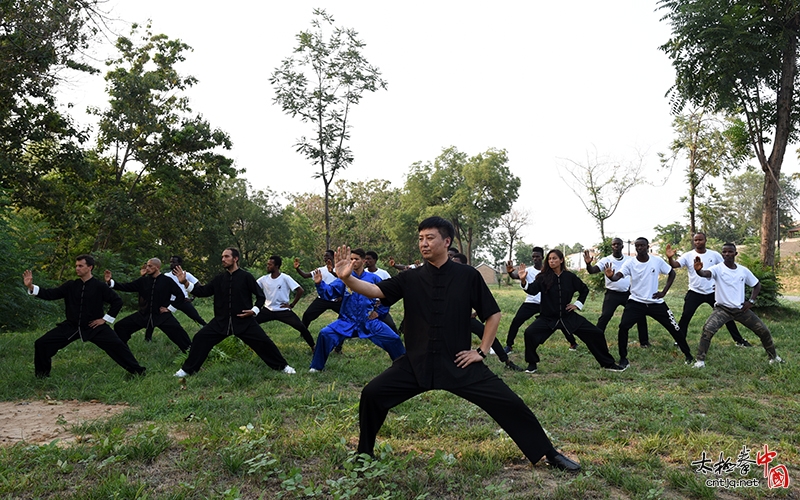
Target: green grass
{"x":241,"y":430}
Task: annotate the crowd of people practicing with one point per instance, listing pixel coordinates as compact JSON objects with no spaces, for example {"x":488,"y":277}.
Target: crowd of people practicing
{"x":445,"y":302}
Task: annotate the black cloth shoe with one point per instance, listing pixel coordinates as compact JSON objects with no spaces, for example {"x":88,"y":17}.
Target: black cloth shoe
{"x":744,"y":343}
{"x":513,"y":367}
{"x":624,"y":363}
{"x":561,"y":462}
{"x":617,"y":368}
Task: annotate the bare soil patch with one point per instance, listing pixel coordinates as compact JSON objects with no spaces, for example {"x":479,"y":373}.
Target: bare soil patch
{"x":40,"y":422}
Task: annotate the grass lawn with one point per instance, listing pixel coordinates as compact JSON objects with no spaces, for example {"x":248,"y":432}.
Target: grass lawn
{"x":240,"y":430}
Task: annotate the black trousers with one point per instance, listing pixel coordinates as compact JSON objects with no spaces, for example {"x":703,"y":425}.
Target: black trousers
{"x":691,"y":302}
{"x":634,"y":311}
{"x":64,"y":334}
{"x":525,"y":312}
{"x":187,"y":308}
{"x":398,"y":384}
{"x":319,"y":306}
{"x":611,"y":301}
{"x":250,"y":333}
{"x":287,"y":317}
{"x":477,"y":328}
{"x":166,"y":322}
{"x":540,"y":330}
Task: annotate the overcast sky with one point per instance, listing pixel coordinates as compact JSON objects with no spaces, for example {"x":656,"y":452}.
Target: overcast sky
{"x":547,"y":81}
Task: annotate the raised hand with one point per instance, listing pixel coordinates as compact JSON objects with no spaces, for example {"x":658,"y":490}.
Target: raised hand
{"x":296,"y":263}
{"x":317,"y":275}
{"x":391,"y":262}
{"x":509,"y":267}
{"x":608,"y":270}
{"x":27,"y":279}
{"x":587,"y":257}
{"x":523,"y":273}
{"x":669,"y":251}
{"x":698,"y":264}
{"x":344,"y":266}
{"x":107,"y":276}
{"x":181,"y":275}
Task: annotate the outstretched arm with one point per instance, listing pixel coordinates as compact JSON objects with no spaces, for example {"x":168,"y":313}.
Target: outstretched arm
{"x":344,"y":270}
{"x":296,"y":264}
{"x":698,"y":268}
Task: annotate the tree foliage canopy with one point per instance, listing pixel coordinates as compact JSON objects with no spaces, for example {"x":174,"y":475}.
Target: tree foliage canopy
{"x":740,"y":57}
{"x":326,"y":76}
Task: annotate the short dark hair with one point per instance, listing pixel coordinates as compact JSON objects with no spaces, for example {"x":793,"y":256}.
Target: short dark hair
{"x":234,"y":252}
{"x":729,"y":244}
{"x":86,"y":257}
{"x":646,"y":241}
{"x":461,"y":258}
{"x":329,"y":251}
{"x":276,"y":259}
{"x":372,"y":254}
{"x":538,"y":249}
{"x":359,"y":251}
{"x":177,"y":259}
{"x":444,"y":227}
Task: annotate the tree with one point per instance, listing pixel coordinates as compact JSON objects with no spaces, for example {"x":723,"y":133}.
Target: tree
{"x":472,"y":192}
{"x":673,"y":234}
{"x":740,"y":57}
{"x":600,"y":184}
{"x":326,"y":76}
{"x":511,"y":225}
{"x":734,"y":212}
{"x":712,"y":147}
{"x":149,"y":143}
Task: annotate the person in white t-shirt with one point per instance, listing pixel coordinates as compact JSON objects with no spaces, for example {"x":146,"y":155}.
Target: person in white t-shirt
{"x":701,"y":290}
{"x":320,"y":305}
{"x":645,"y":299}
{"x":730,"y":280}
{"x":617,"y":292}
{"x":278,"y":288}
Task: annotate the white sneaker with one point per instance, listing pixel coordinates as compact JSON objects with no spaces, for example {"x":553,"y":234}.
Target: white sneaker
{"x":181,"y":374}
{"x":313,"y":370}
{"x":776,"y":359}
{"x":699,"y":364}
{"x":288,"y":369}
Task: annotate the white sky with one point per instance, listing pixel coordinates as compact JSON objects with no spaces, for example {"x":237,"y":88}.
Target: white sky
{"x":543,"y":80}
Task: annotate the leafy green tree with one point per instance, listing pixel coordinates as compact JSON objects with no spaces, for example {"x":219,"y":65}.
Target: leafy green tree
{"x":600,"y":183}
{"x":326,"y":75}
{"x":672,"y":234}
{"x":472,"y":192}
{"x":151,"y":149}
{"x":522,"y":253}
{"x":711,"y":146}
{"x":734,"y":212}
{"x":39,"y":40}
{"x":740,"y":57}
{"x":255,"y":222}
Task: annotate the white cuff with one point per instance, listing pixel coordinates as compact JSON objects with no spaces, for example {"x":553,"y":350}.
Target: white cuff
{"x":171,"y":309}
{"x":108,"y":319}
{"x":111,"y":283}
{"x":35,"y":290}
{"x":579,"y":305}
{"x":190,"y":287}
{"x":256,"y":310}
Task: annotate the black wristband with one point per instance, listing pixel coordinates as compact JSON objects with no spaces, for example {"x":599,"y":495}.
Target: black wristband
{"x":478,"y":350}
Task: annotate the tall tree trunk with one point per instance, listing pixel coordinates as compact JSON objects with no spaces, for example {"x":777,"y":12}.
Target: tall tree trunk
{"x":327,"y":216}
{"x":772,"y":168}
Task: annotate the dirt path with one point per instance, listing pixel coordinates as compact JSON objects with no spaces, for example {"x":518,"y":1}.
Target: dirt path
{"x":40,"y":422}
